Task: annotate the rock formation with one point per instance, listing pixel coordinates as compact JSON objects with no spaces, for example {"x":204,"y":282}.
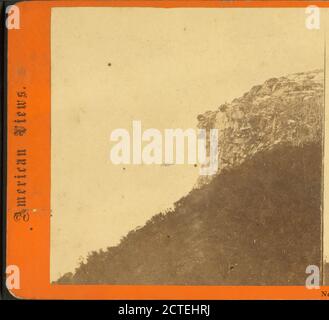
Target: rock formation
{"x":281,"y":110}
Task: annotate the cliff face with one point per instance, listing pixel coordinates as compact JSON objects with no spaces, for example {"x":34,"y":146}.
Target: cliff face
{"x":281,"y":110}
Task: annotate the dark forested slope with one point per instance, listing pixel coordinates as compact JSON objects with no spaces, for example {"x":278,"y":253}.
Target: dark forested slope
{"x":257,"y":223}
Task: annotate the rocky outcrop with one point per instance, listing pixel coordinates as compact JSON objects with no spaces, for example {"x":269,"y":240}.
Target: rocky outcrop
{"x":281,"y":110}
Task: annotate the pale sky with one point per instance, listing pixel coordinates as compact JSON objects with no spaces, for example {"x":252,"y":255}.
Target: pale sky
{"x":167,"y":66}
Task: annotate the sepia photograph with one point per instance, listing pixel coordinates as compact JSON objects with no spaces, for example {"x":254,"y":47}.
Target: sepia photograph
{"x":143,"y":99}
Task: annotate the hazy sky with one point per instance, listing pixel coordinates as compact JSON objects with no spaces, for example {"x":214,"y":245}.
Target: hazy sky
{"x":167,"y":66}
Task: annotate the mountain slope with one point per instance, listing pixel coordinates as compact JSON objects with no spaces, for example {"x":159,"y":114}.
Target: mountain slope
{"x":254,"y":224}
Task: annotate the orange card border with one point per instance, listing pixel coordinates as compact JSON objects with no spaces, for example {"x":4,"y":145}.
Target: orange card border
{"x":28,"y":243}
